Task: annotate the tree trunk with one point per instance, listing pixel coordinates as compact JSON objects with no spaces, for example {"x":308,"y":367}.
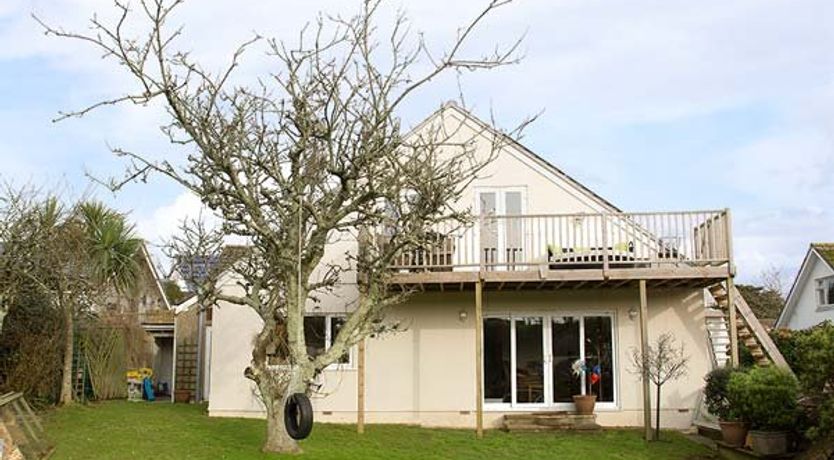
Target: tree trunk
{"x":657,"y":417}
{"x":66,"y":373}
{"x":277,"y":439}
{"x":274,"y":395}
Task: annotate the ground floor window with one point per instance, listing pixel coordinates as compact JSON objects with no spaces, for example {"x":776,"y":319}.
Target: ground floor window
{"x":530,"y":359}
{"x":320,"y":331}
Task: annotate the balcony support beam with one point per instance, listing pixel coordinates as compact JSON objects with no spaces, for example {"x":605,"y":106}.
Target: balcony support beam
{"x":644,"y":351}
{"x":733,"y":320}
{"x":479,"y":385}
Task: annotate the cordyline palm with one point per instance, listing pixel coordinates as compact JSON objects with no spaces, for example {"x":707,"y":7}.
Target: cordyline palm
{"x":106,"y":259}
{"x":112,"y":247}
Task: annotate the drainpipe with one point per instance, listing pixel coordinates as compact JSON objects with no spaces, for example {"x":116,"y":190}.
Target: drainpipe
{"x":201,"y":333}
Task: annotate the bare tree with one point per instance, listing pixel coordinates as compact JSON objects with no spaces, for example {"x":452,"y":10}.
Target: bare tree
{"x":663,"y":362}
{"x":772,"y":279}
{"x":315,"y":150}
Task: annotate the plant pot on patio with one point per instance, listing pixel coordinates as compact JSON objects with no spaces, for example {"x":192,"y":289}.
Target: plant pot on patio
{"x":584,"y":404}
{"x":769,"y":443}
{"x":182,"y":396}
{"x":734,"y":433}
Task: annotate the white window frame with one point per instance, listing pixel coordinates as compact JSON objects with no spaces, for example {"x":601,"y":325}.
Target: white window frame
{"x":823,"y":287}
{"x":500,"y":210}
{"x":547,"y":318}
{"x":328,"y":335}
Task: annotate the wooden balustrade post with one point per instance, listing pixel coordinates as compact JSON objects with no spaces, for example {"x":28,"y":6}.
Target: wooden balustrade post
{"x":481,"y":254}
{"x":728,"y":236}
{"x":604,"y":246}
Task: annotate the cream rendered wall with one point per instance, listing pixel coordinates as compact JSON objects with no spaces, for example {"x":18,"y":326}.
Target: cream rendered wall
{"x":804,"y":312}
{"x":544,"y":191}
{"x":425,"y":374}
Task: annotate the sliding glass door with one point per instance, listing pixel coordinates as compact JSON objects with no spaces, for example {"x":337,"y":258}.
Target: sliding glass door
{"x":529,"y":359}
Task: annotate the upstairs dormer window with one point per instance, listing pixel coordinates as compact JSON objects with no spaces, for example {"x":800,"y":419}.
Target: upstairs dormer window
{"x":825,"y":292}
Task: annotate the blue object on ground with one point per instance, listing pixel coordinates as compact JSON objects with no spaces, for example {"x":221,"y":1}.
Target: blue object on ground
{"x":149,"y":389}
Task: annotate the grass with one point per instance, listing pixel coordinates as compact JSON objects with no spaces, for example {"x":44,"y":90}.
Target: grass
{"x":120,"y":430}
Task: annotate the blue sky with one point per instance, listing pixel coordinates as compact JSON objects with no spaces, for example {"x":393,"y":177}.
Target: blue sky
{"x":656,"y":105}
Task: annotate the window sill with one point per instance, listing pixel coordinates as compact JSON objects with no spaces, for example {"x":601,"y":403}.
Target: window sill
{"x":829,"y":307}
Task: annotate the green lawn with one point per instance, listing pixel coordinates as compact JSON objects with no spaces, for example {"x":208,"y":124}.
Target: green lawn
{"x":119,"y":430}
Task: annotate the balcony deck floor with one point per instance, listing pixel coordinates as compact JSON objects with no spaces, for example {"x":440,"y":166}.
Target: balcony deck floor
{"x":587,"y":278}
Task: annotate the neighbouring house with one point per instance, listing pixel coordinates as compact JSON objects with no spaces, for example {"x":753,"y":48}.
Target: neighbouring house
{"x":145,"y":317}
{"x":156,"y":317}
{"x":811,"y":298}
{"x":149,"y":308}
{"x":556,"y":272}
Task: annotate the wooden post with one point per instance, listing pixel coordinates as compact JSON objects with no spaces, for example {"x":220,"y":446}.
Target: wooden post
{"x":644,"y":350}
{"x":360,"y":389}
{"x":605,"y":256}
{"x":731,"y":305}
{"x":479,"y":324}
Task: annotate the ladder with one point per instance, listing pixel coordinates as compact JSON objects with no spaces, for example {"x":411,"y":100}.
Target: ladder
{"x":750,"y":330}
{"x":79,"y":374}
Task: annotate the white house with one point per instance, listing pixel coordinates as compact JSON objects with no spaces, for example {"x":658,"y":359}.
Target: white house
{"x":811,"y":299}
{"x":549,"y":274}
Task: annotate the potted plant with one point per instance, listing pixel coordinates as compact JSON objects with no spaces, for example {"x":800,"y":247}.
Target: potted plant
{"x":766,"y":397}
{"x":733,"y":428}
{"x":584,"y":403}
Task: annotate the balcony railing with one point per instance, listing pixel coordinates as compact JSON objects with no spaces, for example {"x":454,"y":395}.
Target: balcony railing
{"x":576,"y":241}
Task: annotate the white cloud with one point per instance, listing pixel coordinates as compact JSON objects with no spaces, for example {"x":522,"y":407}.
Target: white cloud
{"x":595,"y":66}
{"x":164,"y":222}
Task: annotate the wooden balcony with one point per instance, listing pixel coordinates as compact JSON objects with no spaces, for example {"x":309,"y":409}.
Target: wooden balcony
{"x":668,"y":249}
{"x":156,"y":317}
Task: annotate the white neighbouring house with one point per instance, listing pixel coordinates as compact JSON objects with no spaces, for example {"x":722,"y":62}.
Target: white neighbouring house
{"x":811,"y":299}
{"x":560,"y":271}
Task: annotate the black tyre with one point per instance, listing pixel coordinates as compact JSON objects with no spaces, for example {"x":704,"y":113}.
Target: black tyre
{"x":298,"y":416}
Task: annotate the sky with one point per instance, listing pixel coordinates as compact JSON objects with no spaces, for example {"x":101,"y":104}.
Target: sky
{"x":655,"y":105}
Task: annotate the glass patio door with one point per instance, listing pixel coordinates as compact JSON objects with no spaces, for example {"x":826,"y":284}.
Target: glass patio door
{"x":514,"y":361}
{"x":528,"y":359}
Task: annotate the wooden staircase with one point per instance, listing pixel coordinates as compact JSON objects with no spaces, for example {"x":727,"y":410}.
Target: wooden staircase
{"x":549,"y":421}
{"x":750,"y":330}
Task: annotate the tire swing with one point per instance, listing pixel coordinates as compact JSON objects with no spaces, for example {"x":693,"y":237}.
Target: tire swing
{"x":298,"y":416}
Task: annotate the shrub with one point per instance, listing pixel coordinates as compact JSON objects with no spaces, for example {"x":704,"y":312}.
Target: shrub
{"x":815,"y":358}
{"x":814,"y":355}
{"x":715,"y":393}
{"x":766,"y":397}
{"x":785,"y":340}
{"x":32,"y":349}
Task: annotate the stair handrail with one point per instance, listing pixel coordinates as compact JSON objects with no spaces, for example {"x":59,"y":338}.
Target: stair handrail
{"x":759,"y":331}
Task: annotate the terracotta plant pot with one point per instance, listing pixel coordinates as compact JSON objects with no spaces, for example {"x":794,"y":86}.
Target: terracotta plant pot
{"x":584,"y":404}
{"x":734,"y":433}
{"x":769,"y":443}
{"x":182,"y":396}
